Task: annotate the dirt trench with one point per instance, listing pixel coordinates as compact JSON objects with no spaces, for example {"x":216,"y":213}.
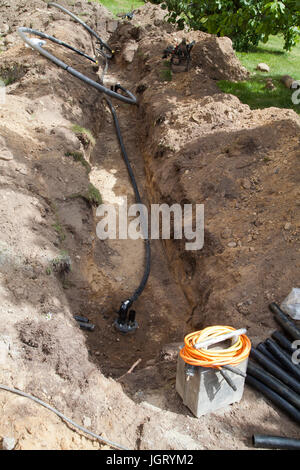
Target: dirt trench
{"x":187,"y":142}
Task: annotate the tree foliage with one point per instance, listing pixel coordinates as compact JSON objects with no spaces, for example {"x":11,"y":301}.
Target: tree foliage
{"x":246,"y":22}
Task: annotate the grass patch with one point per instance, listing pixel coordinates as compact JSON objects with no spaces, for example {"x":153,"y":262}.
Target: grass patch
{"x":165,"y":74}
{"x":253,"y":91}
{"x":79,"y":157}
{"x":84,"y":135}
{"x":92,"y":196}
{"x":60,"y":231}
{"x":121,"y":6}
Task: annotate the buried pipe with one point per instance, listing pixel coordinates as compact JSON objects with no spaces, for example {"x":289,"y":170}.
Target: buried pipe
{"x":275,"y":442}
{"x":272,"y":382}
{"x":284,"y":358}
{"x":275,"y":370}
{"x":280,"y":402}
{"x":126,"y":318}
{"x":287,"y":324}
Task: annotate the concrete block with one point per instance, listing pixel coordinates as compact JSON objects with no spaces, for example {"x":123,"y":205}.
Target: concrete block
{"x":207,"y":390}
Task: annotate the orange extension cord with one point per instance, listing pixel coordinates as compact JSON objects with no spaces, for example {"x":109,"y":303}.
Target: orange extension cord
{"x":214,"y":358}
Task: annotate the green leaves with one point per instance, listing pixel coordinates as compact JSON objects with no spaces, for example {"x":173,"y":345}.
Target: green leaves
{"x":246,"y":22}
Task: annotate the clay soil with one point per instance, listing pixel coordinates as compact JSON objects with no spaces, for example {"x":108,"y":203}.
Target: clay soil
{"x":188,"y":143}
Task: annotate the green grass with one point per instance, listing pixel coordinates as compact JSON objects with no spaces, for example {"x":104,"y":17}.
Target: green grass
{"x":253,"y":91}
{"x":84,"y":134}
{"x":121,"y":6}
{"x":79,"y":157}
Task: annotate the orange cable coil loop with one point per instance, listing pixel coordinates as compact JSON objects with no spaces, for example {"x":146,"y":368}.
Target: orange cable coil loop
{"x":214,"y":358}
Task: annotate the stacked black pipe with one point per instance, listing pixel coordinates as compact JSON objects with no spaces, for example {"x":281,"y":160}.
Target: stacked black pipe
{"x":273,"y":372}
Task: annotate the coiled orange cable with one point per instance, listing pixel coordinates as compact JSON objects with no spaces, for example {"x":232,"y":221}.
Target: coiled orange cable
{"x":214,"y":358}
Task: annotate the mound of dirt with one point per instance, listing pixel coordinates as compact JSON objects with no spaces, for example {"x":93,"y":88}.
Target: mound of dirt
{"x":57,"y":150}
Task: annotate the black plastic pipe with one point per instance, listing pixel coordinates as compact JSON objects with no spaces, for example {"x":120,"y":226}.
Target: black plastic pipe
{"x":284,"y":358}
{"x":130,"y":98}
{"x":145,"y":277}
{"x":274,"y":398}
{"x":261,"y":347}
{"x":273,"y":383}
{"x":288,"y":325}
{"x":283,"y":341}
{"x":109,"y":52}
{"x":275,"y":442}
{"x":275,"y":370}
{"x":126,"y":320}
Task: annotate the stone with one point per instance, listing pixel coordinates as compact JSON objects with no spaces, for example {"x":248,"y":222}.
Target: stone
{"x":111,"y":26}
{"x":129,"y":51}
{"x":68,"y":137}
{"x":287,"y":80}
{"x":6,"y":155}
{"x":87,"y":422}
{"x":263,"y":67}
{"x":8,"y":443}
{"x":4,"y":29}
{"x":287,"y":226}
{"x":246,"y":184}
{"x":226,"y":233}
{"x":232,"y":245}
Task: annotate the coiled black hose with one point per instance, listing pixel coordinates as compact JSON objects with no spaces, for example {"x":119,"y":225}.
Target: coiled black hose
{"x":275,"y":442}
{"x":126,"y":320}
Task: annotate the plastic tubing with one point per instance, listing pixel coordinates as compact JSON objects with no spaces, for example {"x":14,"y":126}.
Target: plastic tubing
{"x":130,"y":98}
{"x":275,"y":442}
{"x":261,"y":347}
{"x":62,"y":416}
{"x":90,"y":30}
{"x":287,"y":324}
{"x":291,"y":410}
{"x":273,"y":383}
{"x":214,"y":358}
{"x":284,"y":358}
{"x":275,"y":370}
{"x":283,"y":341}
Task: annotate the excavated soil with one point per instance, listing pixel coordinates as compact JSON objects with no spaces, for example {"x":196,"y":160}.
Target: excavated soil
{"x":188,"y":143}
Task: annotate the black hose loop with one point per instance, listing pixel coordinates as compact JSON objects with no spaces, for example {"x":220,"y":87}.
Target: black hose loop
{"x":130,"y":98}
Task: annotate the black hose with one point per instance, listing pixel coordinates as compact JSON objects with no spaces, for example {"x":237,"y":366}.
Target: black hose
{"x":275,"y":370}
{"x":284,"y":358}
{"x":283,"y":341}
{"x":275,"y":442}
{"x":124,"y":323}
{"x":130,"y":98}
{"x":274,"y":398}
{"x":273,"y":383}
{"x":287,"y":324}
{"x":261,"y":347}
{"x":90,"y":30}
{"x":142,"y":285}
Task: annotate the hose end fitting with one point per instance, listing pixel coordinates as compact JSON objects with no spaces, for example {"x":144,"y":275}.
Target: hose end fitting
{"x":126,"y":322}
